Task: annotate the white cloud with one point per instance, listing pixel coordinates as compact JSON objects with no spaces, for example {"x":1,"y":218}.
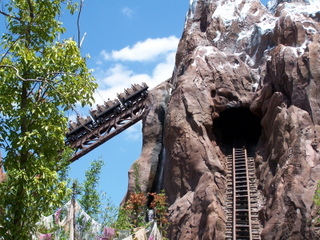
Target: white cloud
{"x":119,"y":75}
{"x":147,"y":50}
{"x":164,"y":69}
{"x":134,"y":132}
{"x":115,"y":79}
{"x":127,"y":11}
{"x":105,"y":55}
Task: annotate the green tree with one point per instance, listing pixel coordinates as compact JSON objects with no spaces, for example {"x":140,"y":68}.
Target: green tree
{"x":96,"y":203}
{"x":160,"y":207}
{"x":92,"y":201}
{"x":41,"y":78}
{"x":90,"y":198}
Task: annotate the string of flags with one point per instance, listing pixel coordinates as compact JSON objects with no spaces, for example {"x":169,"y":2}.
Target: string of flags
{"x":77,"y":224}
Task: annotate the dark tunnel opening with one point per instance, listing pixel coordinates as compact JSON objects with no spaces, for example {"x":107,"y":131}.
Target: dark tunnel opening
{"x":236,"y":124}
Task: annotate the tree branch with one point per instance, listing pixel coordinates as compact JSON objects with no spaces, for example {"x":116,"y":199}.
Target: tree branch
{"x":31,"y":9}
{"x":42,"y":79}
{"x":10,"y":16}
{"x":78,"y":23}
{"x":18,"y":74}
{"x":38,"y":79}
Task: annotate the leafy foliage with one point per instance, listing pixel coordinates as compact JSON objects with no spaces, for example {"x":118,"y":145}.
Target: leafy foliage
{"x":93,"y":202}
{"x":136,"y":209}
{"x":90,"y":197}
{"x":160,"y":206}
{"x":133,"y":213}
{"x":128,"y":217}
{"x":137,"y":177}
{"x":41,"y":78}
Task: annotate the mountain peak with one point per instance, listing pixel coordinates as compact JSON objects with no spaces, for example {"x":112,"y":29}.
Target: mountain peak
{"x":243,"y":74}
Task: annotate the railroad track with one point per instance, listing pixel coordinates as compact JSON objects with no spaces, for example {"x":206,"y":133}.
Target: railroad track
{"x":242,"y":199}
{"x":93,"y":138}
{"x":106,"y":121}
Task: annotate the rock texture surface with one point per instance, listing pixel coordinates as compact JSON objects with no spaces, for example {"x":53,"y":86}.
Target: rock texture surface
{"x":238,"y":54}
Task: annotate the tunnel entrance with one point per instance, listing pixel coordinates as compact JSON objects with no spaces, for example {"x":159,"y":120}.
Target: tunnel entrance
{"x":236,"y":124}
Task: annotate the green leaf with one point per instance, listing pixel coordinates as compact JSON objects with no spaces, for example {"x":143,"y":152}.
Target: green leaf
{"x":40,"y":76}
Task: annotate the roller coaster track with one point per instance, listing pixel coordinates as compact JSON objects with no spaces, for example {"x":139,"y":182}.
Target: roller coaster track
{"x":92,"y":138}
{"x":241,"y":204}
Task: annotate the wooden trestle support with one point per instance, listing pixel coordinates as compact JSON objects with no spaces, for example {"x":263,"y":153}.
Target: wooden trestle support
{"x":242,"y":199}
{"x":93,"y":138}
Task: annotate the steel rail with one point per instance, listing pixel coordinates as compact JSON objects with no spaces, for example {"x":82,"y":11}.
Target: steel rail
{"x":90,"y":139}
{"x":234,"y":217}
{"x":241,"y":197}
{"x":249,"y":197}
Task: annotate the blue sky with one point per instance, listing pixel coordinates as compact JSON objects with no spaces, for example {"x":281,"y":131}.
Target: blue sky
{"x":129,"y":42}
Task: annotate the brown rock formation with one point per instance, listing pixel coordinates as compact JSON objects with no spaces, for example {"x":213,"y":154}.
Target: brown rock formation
{"x":236,"y":59}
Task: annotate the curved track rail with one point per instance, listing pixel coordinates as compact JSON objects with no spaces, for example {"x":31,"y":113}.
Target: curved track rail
{"x":241,"y":204}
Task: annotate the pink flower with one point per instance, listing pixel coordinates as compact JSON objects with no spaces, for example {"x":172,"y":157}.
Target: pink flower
{"x":47,"y":236}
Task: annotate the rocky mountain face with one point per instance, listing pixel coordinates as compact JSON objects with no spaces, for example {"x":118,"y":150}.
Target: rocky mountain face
{"x":241,"y":71}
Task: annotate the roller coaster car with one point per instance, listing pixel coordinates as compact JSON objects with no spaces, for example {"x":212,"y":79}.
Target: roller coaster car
{"x":105,"y":111}
{"x":134,"y":94}
{"x":84,"y":121}
{"x":77,"y":128}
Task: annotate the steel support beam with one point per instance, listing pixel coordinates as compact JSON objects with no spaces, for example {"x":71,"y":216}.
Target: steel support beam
{"x":92,"y":138}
